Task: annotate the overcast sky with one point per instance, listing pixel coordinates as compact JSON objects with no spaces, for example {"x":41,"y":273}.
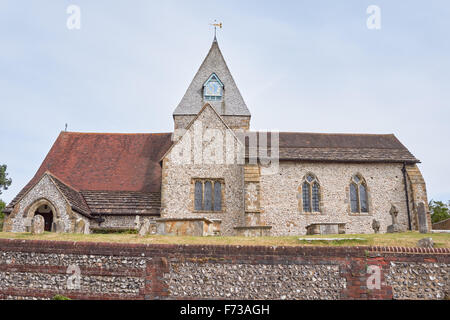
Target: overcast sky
{"x":309,"y":66}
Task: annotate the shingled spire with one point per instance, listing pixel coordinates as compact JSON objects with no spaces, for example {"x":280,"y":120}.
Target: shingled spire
{"x":232,"y":103}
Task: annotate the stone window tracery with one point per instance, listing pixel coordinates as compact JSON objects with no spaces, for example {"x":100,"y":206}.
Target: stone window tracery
{"x":208,"y":195}
{"x":311,"y":194}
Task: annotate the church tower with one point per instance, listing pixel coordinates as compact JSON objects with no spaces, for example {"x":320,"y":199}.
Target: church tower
{"x":215,"y":85}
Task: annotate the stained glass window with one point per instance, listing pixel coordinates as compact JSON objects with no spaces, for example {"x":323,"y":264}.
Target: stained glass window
{"x":363,"y":198}
{"x":208,"y":196}
{"x":358,"y":195}
{"x":315,"y":197}
{"x":306,"y":198}
{"x":354,"y":198}
{"x":311,"y":194}
{"x":198,"y":196}
{"x":217,"y":196}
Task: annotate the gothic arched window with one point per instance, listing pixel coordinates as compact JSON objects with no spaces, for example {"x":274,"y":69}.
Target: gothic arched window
{"x":358,"y":195}
{"x":311,"y":194}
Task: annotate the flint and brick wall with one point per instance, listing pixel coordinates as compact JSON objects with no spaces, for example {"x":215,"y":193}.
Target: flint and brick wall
{"x":38,"y":269}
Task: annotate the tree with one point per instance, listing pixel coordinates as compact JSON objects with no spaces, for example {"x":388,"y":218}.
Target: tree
{"x":2,"y":206}
{"x":439,"y":211}
{"x":5,"y":182}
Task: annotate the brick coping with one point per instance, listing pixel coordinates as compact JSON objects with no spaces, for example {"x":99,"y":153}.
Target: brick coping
{"x":111,"y":248}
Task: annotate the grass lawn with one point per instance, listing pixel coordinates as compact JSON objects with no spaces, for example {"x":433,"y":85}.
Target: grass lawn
{"x":408,"y":239}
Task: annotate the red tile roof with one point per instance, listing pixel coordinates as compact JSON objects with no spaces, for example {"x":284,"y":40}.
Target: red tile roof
{"x":105,"y":162}
{"x":108,"y":162}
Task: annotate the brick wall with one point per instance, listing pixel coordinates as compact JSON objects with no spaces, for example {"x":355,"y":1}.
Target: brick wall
{"x":38,"y":269}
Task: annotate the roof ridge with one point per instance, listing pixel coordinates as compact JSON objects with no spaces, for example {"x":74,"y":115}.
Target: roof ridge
{"x":329,"y":133}
{"x":60,"y":180}
{"x":114,"y":133}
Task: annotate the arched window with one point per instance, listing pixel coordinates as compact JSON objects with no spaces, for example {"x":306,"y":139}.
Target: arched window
{"x":358,"y":195}
{"x":311,"y":194}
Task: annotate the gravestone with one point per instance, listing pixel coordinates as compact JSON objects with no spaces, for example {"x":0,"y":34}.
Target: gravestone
{"x":80,"y":226}
{"x":58,"y":226}
{"x":425,"y":243}
{"x":395,"y":227}
{"x":144,"y":228}
{"x":28,"y":223}
{"x":38,"y":224}
{"x":422,"y":215}
{"x":376,"y":226}
{"x":137,"y":223}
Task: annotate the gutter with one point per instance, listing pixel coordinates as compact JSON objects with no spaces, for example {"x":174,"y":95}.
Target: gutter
{"x":407,"y":196}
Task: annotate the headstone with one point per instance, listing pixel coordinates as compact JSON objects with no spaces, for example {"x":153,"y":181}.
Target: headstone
{"x":144,"y":228}
{"x":58,"y":226}
{"x":376,"y":225}
{"x":137,"y":222}
{"x":28,"y":223}
{"x":38,"y":224}
{"x":422,"y":215}
{"x":395,"y":227}
{"x":80,"y":226}
{"x":425,"y":243}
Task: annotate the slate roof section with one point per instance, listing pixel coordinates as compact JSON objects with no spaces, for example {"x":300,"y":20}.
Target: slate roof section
{"x":299,"y":146}
{"x":123,"y":203}
{"x":233,"y":104}
{"x":75,"y":199}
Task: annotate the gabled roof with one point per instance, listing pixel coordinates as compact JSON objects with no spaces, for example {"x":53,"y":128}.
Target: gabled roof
{"x":105,"y":162}
{"x":205,"y":106}
{"x":122,"y":202}
{"x":336,"y":147}
{"x":232,"y":105}
{"x":72,"y":196}
{"x":216,"y":78}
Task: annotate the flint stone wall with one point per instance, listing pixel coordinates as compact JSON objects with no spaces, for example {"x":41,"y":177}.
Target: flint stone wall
{"x":38,"y":269}
{"x":44,"y":189}
{"x":281,"y":197}
{"x":118,"y":222}
{"x":177,"y":194}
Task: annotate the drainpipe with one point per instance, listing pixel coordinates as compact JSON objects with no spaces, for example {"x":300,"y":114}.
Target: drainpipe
{"x":406,"y":194}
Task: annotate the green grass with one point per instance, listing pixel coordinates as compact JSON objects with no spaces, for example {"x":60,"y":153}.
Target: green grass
{"x":60,"y":297}
{"x":407,"y":239}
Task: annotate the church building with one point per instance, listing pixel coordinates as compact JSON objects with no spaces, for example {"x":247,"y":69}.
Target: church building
{"x":214,"y":175}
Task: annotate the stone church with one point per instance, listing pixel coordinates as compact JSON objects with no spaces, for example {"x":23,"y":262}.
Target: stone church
{"x":213,"y":175}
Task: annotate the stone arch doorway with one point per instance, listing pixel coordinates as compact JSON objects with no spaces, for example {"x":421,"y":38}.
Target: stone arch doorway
{"x":47,"y":210}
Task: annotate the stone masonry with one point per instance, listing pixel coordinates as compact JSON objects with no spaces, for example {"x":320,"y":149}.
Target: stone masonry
{"x":43,"y":269}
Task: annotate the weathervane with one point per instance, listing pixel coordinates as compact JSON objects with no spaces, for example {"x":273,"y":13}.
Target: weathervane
{"x":216,"y":25}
